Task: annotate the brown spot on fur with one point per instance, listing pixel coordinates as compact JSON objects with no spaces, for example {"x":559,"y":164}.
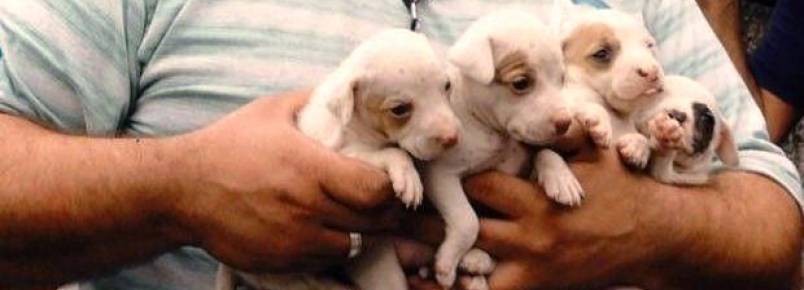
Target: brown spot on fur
{"x":381,"y":118}
{"x":585,"y":41}
{"x":511,"y":67}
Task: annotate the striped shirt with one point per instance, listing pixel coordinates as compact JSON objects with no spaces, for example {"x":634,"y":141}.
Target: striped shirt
{"x":157,"y":68}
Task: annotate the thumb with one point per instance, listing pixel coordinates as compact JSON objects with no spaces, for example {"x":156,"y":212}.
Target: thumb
{"x":352,"y":182}
{"x":284,"y":106}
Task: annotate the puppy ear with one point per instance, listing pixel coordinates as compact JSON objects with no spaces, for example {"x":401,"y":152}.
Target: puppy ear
{"x":473,"y":55}
{"x":341,"y":101}
{"x":727,"y":150}
{"x":331,"y":108}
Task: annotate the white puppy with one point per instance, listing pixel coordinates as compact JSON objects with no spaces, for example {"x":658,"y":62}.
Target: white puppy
{"x":387,"y":99}
{"x":619,"y":89}
{"x":683,"y":130}
{"x":507,"y":79}
{"x":611,"y":69}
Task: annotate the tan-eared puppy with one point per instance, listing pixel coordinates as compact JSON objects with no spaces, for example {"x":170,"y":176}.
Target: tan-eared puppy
{"x":611,"y":69}
{"x":507,"y":70}
{"x":387,"y":100}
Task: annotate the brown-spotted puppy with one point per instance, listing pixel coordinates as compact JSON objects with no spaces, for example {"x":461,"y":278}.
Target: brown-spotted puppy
{"x":683,"y":130}
{"x":611,"y":69}
{"x":387,"y":101}
{"x":507,"y":76}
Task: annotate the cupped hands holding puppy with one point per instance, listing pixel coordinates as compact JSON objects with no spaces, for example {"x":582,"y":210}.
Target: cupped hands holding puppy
{"x":262,"y":196}
{"x":632,"y":230}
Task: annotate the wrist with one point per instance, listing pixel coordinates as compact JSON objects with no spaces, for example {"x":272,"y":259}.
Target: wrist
{"x":170,"y":173}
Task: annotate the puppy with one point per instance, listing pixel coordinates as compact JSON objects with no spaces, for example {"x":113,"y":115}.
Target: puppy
{"x":611,"y":69}
{"x":507,"y":74}
{"x":682,"y":130}
{"x":617,"y":83}
{"x":386,"y":100}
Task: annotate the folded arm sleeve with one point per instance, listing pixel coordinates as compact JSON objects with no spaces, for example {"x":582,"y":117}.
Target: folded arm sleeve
{"x":689,"y":47}
{"x":70,"y":65}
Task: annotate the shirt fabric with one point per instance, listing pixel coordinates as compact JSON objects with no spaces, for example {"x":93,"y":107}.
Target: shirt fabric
{"x":157,"y":68}
{"x":777,"y":62}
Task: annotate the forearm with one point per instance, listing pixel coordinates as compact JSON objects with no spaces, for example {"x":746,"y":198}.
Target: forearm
{"x":743,"y":231}
{"x":76,"y":206}
{"x":724,"y":18}
{"x":780,"y":116}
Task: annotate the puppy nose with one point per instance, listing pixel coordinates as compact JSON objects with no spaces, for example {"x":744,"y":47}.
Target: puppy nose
{"x":650,"y":73}
{"x":448,"y":140}
{"x":562,"y":126}
{"x":562,"y":119}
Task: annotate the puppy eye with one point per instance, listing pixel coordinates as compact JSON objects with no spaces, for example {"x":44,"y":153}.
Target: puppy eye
{"x":650,"y":44}
{"x":521,"y":84}
{"x":447,"y":86}
{"x":402,"y":111}
{"x":602,"y":55}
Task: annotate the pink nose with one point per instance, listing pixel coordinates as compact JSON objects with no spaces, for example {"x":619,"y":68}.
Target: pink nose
{"x":649,"y":73}
{"x":562,"y":126}
{"x":562,"y":119}
{"x":448,"y":140}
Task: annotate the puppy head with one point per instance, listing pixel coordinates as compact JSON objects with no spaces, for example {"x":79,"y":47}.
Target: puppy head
{"x":511,"y":73}
{"x":614,"y":54}
{"x":395,"y":88}
{"x":695,"y":108}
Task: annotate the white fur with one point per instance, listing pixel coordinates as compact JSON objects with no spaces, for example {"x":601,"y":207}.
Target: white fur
{"x":620,"y":104}
{"x":673,"y":158}
{"x":399,"y":66}
{"x":494,"y":122}
{"x":602,"y":101}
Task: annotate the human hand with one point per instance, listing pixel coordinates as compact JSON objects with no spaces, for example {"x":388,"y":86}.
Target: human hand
{"x":261,"y":196}
{"x":540,"y":244}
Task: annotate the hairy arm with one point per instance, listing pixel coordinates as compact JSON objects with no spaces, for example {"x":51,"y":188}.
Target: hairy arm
{"x":74,"y":205}
{"x":742,"y":231}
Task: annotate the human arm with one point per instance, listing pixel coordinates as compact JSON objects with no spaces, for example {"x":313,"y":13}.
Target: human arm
{"x":635,"y":231}
{"x":776,"y":67}
{"x":77,"y":206}
{"x":724,"y":17}
{"x":780,"y":115}
{"x":771,"y":64}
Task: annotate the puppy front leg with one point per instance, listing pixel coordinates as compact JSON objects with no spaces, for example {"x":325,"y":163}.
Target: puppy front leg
{"x":446,"y":193}
{"x":634,"y":149}
{"x":663,"y":169}
{"x":378,"y":268}
{"x":596,"y":121}
{"x":399,"y":165}
{"x":555,"y":177}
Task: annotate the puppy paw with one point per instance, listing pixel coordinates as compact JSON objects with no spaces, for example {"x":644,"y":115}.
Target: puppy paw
{"x":561,"y":186}
{"x":445,"y":273}
{"x":477,"y":262}
{"x":599,"y":128}
{"x":666,"y":131}
{"x":634,"y":150}
{"x":474,"y":283}
{"x":407,"y":183}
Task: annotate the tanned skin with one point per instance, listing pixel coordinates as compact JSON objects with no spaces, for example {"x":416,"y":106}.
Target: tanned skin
{"x":741,"y":232}
{"x":724,"y":17}
{"x":250,"y":189}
